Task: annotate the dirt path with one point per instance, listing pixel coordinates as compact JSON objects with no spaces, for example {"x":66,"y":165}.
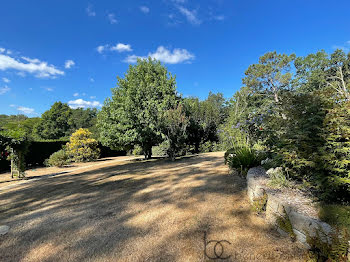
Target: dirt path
{"x":138,"y":211}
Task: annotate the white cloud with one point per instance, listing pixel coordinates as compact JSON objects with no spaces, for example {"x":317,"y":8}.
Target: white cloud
{"x":92,"y":97}
{"x":2,"y":50}
{"x":30,"y":60}
{"x":4,"y":90}
{"x":6,"y":80}
{"x":112,"y":19}
{"x":89,"y":10}
{"x":80,"y":103}
{"x":166,"y":56}
{"x":34,"y":66}
{"x":69,"y":63}
{"x":26,"y":110}
{"x":219,"y":17}
{"x":144,"y":9}
{"x":120,"y":47}
{"x":76,"y":94}
{"x":191,"y":16}
{"x":101,"y":48}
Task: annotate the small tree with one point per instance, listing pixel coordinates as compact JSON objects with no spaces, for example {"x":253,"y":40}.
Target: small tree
{"x":174,"y":128}
{"x":82,"y":147}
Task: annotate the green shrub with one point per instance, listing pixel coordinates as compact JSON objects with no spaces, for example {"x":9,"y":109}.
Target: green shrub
{"x":137,"y":151}
{"x":58,"y":159}
{"x":336,"y":215}
{"x":333,"y":247}
{"x":206,"y":147}
{"x":161,"y":149}
{"x":243,"y":158}
{"x":278,"y":178}
{"x":227,"y":153}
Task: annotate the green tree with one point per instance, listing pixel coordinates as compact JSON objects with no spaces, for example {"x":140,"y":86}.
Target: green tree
{"x":204,"y":119}
{"x":271,"y":75}
{"x":174,"y":124}
{"x":194,"y":130}
{"x":83,"y":118}
{"x":133,"y":115}
{"x":54,"y":122}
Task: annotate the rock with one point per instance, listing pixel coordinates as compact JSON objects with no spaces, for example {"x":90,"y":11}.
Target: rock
{"x":4,"y":230}
{"x":301,"y":238}
{"x":310,"y":226}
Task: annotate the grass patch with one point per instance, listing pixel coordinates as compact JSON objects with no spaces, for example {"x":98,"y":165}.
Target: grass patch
{"x":335,"y":215}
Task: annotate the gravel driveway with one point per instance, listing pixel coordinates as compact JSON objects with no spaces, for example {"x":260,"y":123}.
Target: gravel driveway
{"x":154,"y":210}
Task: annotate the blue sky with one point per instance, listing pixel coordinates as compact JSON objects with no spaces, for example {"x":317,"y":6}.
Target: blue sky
{"x":72,"y":51}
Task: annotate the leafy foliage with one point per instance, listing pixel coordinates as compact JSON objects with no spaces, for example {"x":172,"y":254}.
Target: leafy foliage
{"x":336,"y":151}
{"x":16,"y":143}
{"x":243,"y":158}
{"x":277,"y":178}
{"x":335,"y":214}
{"x":329,"y":247}
{"x":54,"y":122}
{"x":174,"y":124}
{"x":82,"y":147}
{"x":271,"y":75}
{"x":301,"y":120}
{"x":58,"y":159}
{"x":60,"y":121}
{"x":162,"y":149}
{"x":133,"y":114}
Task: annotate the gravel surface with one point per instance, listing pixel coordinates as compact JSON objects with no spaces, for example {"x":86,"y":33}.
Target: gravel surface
{"x":154,"y":210}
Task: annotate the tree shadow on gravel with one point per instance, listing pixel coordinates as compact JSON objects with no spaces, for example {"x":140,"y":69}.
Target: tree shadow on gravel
{"x":133,"y":211}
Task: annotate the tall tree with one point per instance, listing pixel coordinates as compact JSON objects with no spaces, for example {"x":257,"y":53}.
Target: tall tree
{"x":54,"y":122}
{"x":271,"y":75}
{"x":133,"y":115}
{"x":83,"y":118}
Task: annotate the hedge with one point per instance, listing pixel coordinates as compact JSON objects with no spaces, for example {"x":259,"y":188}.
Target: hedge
{"x":40,"y":150}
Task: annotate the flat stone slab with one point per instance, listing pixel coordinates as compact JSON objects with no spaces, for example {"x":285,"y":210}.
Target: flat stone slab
{"x":4,"y":230}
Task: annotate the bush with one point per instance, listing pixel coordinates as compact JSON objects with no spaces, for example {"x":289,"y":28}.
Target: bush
{"x":210,"y":146}
{"x":58,"y":159}
{"x":336,"y":215}
{"x":82,"y":147}
{"x":161,"y":149}
{"x":278,"y":178}
{"x":242,"y":158}
{"x":137,"y":151}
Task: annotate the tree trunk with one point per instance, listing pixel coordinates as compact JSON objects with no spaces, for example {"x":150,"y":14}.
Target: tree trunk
{"x":196,"y":147}
{"x":148,"y":152}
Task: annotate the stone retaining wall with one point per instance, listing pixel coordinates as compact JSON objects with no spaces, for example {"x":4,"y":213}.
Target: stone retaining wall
{"x":302,"y":224}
